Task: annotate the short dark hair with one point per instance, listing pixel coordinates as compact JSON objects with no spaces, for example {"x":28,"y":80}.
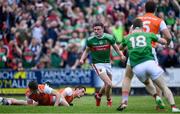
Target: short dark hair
{"x":137,"y":23}
{"x":98,"y":24}
{"x":80,"y":87}
{"x":150,"y":7}
{"x":33,"y":85}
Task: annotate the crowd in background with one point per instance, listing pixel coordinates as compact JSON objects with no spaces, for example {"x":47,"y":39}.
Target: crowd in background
{"x":37,"y":34}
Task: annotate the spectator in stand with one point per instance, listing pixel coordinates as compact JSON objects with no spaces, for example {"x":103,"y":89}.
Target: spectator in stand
{"x":27,"y":55}
{"x":36,"y":47}
{"x":178,"y":55}
{"x":162,"y":55}
{"x":172,"y":59}
{"x":4,"y":52}
{"x":73,"y":57}
{"x":177,"y":29}
{"x":43,"y":63}
{"x":170,"y":20}
{"x":38,"y":31}
{"x":50,"y":21}
{"x":15,"y":53}
{"x":52,"y":32}
{"x":56,"y":58}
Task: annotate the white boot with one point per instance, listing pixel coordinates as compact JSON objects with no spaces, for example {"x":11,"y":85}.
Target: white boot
{"x":175,"y":110}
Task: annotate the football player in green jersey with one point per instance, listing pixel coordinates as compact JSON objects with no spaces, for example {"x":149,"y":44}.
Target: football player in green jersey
{"x":153,"y":24}
{"x":141,"y":59}
{"x":99,"y":46}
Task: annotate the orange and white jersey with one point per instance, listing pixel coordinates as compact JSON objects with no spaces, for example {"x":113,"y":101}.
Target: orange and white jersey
{"x":42,"y":97}
{"x":68,"y":94}
{"x":153,"y":24}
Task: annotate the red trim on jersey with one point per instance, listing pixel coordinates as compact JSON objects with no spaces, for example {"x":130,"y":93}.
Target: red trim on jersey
{"x":100,"y":48}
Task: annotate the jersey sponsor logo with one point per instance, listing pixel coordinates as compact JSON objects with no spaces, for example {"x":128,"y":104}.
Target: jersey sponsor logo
{"x":100,"y":48}
{"x":150,"y":18}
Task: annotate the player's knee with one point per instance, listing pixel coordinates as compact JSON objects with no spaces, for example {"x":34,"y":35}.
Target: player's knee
{"x":147,"y":82}
{"x":128,"y":73}
{"x":127,"y":80}
{"x":108,"y":84}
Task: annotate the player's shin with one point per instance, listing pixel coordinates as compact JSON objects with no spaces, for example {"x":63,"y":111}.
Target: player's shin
{"x":125,"y":89}
{"x":150,"y":87}
{"x":166,"y":91}
{"x":101,"y":91}
{"x":126,"y":84}
{"x":152,"y":90}
{"x":108,"y":95}
{"x":18,"y":102}
{"x":159,"y":92}
{"x":108,"y":84}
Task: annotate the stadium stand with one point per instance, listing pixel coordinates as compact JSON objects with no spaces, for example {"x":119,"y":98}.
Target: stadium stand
{"x":37,"y":34}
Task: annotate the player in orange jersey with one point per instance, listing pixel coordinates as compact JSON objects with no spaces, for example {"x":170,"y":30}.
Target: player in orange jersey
{"x":42,"y":94}
{"x":153,"y":24}
{"x":44,"y":98}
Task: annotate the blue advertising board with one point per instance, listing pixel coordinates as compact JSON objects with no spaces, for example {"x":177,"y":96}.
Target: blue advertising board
{"x":57,"y":78}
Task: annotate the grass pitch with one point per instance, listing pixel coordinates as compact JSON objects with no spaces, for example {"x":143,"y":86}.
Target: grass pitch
{"x":86,"y":105}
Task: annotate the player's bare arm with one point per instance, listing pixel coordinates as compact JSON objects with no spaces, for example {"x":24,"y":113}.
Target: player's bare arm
{"x":84,"y":55}
{"x":120,"y":53}
{"x":59,"y":99}
{"x":167,"y":36}
{"x":58,"y":96}
{"x":64,"y":102}
{"x":162,"y":41}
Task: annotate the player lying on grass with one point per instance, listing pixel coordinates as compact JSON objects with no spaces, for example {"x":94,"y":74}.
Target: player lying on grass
{"x":43,"y":96}
{"x":143,"y":63}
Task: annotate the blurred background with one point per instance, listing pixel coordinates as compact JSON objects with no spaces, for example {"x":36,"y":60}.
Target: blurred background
{"x":43,"y":40}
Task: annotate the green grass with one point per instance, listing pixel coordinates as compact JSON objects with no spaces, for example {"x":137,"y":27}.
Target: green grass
{"x":137,"y":104}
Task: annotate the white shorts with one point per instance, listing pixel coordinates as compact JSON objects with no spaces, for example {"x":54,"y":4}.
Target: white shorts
{"x":146,"y":69}
{"x":154,"y":54}
{"x":102,"y":66}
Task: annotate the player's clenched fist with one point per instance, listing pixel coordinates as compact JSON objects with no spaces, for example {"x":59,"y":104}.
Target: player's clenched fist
{"x":81,"y":61}
{"x":123,"y":58}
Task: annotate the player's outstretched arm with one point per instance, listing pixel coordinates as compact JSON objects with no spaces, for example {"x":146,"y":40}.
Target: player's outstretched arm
{"x":64,"y":102}
{"x":58,"y":96}
{"x":60,"y":100}
{"x":116,"y":48}
{"x":84,"y":55}
{"x":167,"y":35}
{"x":157,"y":38}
